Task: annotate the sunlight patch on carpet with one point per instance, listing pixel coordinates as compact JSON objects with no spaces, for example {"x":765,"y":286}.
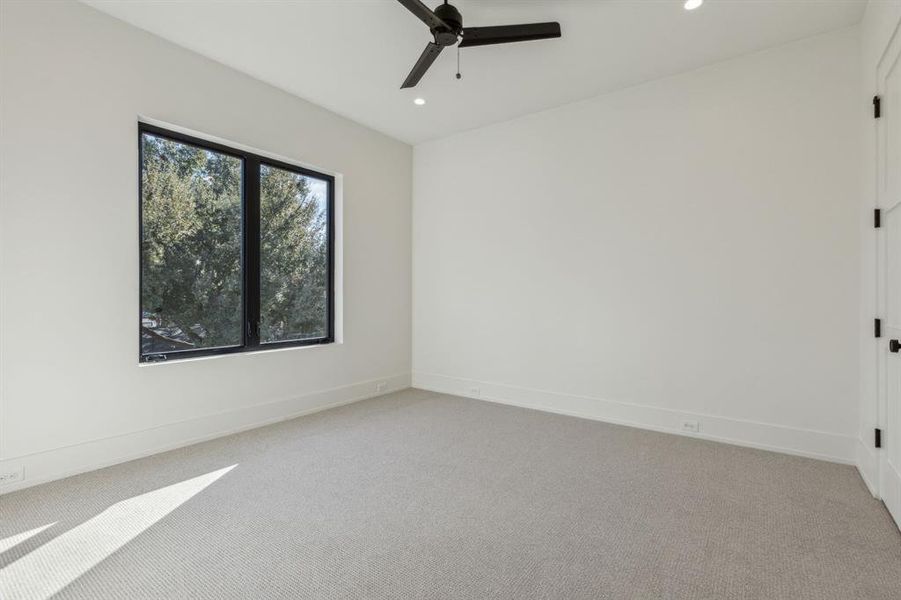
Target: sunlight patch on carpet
{"x":15,"y":540}
{"x":48,"y":569}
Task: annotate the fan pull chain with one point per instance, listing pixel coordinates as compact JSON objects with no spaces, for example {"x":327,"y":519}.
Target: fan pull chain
{"x":458,"y":63}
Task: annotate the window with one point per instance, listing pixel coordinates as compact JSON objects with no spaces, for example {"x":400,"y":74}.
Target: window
{"x":236,"y":250}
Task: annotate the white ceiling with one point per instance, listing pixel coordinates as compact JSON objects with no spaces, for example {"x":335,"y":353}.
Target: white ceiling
{"x":351,"y":56}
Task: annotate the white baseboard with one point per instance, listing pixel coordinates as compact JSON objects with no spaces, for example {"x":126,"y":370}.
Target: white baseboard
{"x":788,"y":440}
{"x":63,"y":462}
{"x":868,"y":466}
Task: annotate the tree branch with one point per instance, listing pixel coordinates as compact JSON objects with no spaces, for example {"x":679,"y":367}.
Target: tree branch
{"x":167,"y":340}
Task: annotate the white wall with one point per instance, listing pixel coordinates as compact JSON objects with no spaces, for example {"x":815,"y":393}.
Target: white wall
{"x":72,"y":395}
{"x":878,"y":25}
{"x":685,"y":249}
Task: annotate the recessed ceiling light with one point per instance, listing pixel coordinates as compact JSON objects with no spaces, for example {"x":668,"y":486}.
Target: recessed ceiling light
{"x":693,"y":4}
{"x":421,"y":101}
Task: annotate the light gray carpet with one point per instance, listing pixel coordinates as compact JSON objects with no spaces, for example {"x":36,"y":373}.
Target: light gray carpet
{"x":422,"y":495}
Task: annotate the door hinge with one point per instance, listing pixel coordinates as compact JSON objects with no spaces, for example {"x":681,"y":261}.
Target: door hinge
{"x":877,"y":218}
{"x":877,"y":107}
{"x":878,"y":437}
{"x":877,"y":328}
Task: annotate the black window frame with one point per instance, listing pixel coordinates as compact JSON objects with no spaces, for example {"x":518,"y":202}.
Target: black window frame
{"x":250,"y":247}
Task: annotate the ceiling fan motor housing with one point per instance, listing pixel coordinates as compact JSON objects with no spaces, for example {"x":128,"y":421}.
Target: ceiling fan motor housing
{"x":450,"y":15}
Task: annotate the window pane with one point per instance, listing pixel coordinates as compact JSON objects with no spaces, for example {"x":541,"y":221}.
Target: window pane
{"x":293,"y":256}
{"x":191,"y":243}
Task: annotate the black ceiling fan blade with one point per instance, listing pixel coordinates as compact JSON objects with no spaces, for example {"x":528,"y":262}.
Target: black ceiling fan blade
{"x":504,"y":34}
{"x":424,"y":14}
{"x":422,"y":65}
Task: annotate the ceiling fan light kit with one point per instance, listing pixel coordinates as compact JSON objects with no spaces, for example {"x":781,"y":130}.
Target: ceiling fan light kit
{"x":446,"y":25}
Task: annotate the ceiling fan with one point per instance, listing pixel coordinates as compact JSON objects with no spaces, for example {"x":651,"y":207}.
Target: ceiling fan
{"x":446,"y":25}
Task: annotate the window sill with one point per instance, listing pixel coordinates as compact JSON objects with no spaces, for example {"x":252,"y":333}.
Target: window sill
{"x":232,"y":355}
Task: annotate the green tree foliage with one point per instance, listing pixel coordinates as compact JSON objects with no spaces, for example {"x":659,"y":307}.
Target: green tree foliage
{"x":192,"y":244}
{"x":294,"y":257}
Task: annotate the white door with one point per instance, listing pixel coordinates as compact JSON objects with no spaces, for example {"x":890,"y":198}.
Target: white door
{"x":890,"y":413}
{"x":889,"y":200}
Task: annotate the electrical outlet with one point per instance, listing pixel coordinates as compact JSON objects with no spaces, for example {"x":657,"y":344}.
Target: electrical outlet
{"x":690,"y":426}
{"x":12,"y":475}
{"x":381,"y":386}
{"x":475,"y":392}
